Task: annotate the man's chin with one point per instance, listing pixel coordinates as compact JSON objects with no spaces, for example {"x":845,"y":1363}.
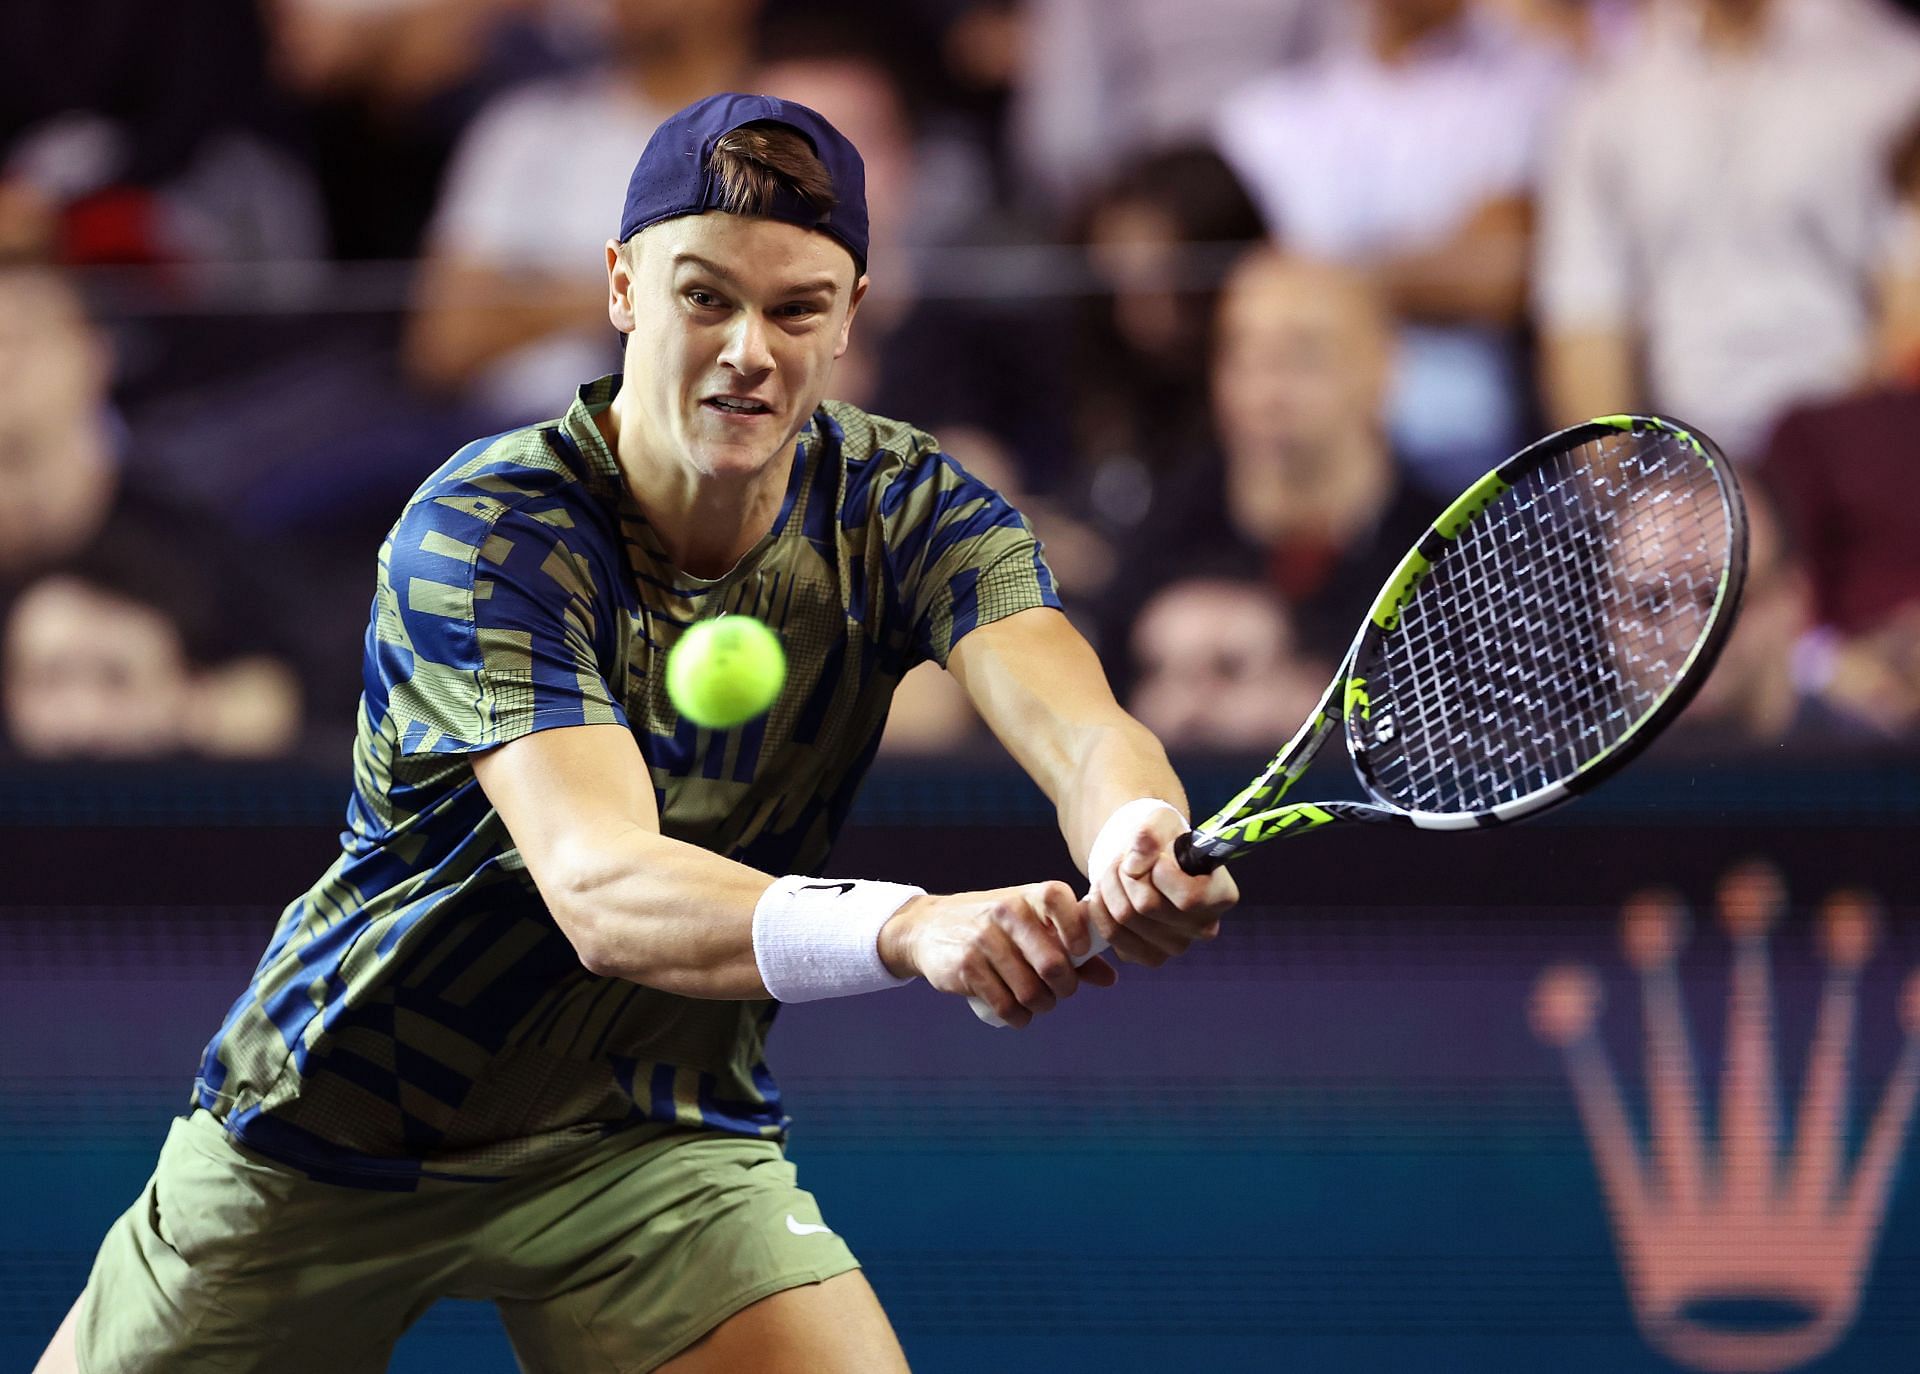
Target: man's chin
{"x":735,"y":461}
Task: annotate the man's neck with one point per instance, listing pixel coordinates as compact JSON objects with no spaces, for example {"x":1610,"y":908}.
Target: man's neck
{"x":1396,"y":42}
{"x":705,"y":525}
{"x":1333,"y":492}
{"x":676,"y":73}
{"x":1733,"y":26}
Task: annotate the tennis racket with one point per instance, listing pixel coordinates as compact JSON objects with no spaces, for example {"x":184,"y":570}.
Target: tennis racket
{"x":1547,"y":626}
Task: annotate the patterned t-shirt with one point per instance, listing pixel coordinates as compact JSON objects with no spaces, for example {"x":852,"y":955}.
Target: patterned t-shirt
{"x":418,"y":1012}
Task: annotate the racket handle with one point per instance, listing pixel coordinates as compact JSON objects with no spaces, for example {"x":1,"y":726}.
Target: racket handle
{"x":992,"y":1018}
{"x":1192,"y":861}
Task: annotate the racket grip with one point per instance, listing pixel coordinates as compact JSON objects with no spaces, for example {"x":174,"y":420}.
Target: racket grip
{"x":992,"y":1018}
{"x":1192,"y":861}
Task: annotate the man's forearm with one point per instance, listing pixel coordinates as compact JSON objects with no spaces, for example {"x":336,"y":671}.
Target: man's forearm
{"x":653,"y":910}
{"x":1588,"y":373}
{"x":1116,"y":764}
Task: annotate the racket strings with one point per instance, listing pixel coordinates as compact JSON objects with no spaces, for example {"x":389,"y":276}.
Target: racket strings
{"x":1549,"y":627}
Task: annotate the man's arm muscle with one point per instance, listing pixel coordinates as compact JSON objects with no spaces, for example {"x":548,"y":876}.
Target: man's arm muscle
{"x":579,"y":804}
{"x":1040,"y":687}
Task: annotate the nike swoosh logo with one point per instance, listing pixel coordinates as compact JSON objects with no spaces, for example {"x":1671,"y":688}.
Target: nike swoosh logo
{"x":806,"y":1228}
{"x":826,"y":887}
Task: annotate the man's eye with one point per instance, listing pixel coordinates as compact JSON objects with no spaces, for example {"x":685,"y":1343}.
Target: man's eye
{"x":798,"y":311}
{"x":706,"y":300}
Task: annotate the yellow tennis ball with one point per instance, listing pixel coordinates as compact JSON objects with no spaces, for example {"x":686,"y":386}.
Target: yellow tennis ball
{"x":725,"y":671}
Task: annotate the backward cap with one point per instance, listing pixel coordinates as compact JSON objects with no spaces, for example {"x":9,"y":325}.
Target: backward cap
{"x":672,"y":179}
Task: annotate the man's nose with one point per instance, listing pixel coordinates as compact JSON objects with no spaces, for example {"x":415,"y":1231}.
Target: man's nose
{"x":746,"y":351}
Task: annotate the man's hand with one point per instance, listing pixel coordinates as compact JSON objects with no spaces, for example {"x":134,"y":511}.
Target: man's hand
{"x":1012,"y":947}
{"x":1147,"y":906}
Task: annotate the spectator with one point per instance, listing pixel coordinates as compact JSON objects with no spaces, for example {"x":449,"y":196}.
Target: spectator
{"x":140,"y":133}
{"x":71,"y":508}
{"x":386,"y":86}
{"x":1104,"y":82}
{"x":88,"y":673}
{"x":1412,"y":155}
{"x":1715,"y":217}
{"x":57,"y":458}
{"x":1596,"y":30}
{"x":1754,"y":696}
{"x":103,"y":660}
{"x":1215,"y":667}
{"x":1313,"y":499}
{"x":510,"y":310}
{"x":931,"y":713}
{"x":1844,"y":471}
{"x":1158,"y":241}
{"x":1897,"y":351}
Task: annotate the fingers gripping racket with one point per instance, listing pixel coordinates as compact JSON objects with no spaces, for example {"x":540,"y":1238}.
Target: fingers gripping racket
{"x":1549,"y":624}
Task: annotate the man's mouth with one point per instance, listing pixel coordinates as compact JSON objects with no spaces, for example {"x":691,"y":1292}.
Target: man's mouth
{"x":738,"y":405}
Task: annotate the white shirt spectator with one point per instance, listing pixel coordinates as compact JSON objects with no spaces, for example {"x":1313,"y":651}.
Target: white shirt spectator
{"x":1730,"y":210}
{"x":1106,"y":79}
{"x":536,"y":187}
{"x":1355,"y":160}
{"x":1351,"y":159}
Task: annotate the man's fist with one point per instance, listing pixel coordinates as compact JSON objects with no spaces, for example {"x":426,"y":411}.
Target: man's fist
{"x":1146,"y":905}
{"x":1012,"y":947}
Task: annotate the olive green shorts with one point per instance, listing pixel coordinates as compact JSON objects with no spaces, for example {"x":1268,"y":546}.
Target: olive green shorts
{"x":616,"y":1256}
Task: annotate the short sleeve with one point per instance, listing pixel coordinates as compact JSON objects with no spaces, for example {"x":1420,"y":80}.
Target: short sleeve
{"x":485,"y":627}
{"x":958,"y":556}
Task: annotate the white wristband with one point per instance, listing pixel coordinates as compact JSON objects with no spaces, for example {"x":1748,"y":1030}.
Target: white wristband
{"x":1118,"y":833}
{"x":817,"y":937}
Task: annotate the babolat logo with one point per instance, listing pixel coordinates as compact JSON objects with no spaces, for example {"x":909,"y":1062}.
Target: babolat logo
{"x":1738,"y":1255}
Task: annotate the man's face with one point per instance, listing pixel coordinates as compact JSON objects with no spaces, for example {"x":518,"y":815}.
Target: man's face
{"x":733,"y":324}
{"x":1135,"y":250}
{"x":54,"y":464}
{"x":1300,"y":360}
{"x":861,"y":101}
{"x":52,"y":362}
{"x":58,"y":486}
{"x":91,"y":675}
{"x":1218,"y":667}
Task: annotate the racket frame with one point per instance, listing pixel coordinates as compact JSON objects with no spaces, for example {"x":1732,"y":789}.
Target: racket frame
{"x":1258,"y":812}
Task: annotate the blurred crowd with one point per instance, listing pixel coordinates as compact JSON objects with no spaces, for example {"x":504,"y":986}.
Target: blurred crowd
{"x":1228,"y":295}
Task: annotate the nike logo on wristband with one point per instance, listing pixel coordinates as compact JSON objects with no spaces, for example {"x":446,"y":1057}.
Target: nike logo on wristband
{"x":825,"y":887}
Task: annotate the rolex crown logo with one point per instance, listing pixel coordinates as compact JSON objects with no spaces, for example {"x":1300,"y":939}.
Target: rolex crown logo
{"x":1739,"y":1258}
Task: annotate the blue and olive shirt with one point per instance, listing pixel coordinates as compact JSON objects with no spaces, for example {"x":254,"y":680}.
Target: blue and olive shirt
{"x":418,"y":1012}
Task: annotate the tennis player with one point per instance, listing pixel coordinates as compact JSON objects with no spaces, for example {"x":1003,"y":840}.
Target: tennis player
{"x":510,"y":1045}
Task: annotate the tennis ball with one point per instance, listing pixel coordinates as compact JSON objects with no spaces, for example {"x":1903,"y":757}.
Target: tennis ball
{"x":725,"y":671}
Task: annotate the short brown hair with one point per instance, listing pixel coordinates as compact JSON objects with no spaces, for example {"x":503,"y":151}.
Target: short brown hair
{"x":756,"y":163}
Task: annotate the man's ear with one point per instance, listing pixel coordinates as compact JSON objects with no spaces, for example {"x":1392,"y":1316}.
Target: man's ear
{"x":619,"y":287}
{"x":853,"y":305}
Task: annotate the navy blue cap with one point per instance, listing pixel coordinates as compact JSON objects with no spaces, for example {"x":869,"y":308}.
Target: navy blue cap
{"x":671,"y":179}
